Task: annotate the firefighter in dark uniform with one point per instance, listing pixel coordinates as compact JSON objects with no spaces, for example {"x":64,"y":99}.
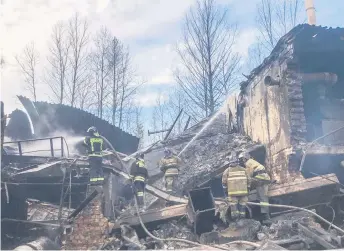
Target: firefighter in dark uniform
{"x":94,"y":143}
{"x":139,"y":174}
{"x":260,"y":180}
{"x":235,"y":184}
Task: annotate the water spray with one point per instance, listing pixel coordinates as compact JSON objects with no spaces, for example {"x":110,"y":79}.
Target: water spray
{"x":206,"y":125}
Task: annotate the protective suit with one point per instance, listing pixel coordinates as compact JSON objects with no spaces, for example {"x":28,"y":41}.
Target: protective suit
{"x":139,"y":174}
{"x":235,"y":182}
{"x":94,"y":143}
{"x":259,"y":179}
{"x":170,"y":166}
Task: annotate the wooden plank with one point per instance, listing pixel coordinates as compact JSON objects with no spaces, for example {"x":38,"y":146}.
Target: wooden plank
{"x":152,"y":216}
{"x":306,"y":231}
{"x":326,"y":150}
{"x":299,"y":186}
{"x":269,"y":245}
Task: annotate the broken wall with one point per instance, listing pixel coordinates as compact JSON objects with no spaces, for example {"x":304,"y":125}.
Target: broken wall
{"x":266,"y":116}
{"x":89,"y":227}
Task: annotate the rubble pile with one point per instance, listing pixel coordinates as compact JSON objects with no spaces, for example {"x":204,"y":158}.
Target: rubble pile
{"x":174,"y":229}
{"x":211,"y":150}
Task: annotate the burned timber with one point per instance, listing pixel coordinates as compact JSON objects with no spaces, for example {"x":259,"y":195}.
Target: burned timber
{"x":295,"y":96}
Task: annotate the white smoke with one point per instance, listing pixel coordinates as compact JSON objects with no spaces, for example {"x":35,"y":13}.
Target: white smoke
{"x":42,"y":147}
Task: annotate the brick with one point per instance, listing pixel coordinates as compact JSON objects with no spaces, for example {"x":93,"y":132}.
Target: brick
{"x":297,"y":110}
{"x":295,"y":97}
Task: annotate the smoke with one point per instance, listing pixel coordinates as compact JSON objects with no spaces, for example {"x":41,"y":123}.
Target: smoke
{"x":72,"y":143}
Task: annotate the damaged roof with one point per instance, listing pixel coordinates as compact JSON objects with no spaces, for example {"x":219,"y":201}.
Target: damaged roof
{"x":48,"y":119}
{"x":42,"y":211}
{"x":303,"y":37}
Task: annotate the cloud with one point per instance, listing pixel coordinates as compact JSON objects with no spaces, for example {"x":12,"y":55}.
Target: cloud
{"x":155,"y":64}
{"x":150,"y":99}
{"x":245,"y":39}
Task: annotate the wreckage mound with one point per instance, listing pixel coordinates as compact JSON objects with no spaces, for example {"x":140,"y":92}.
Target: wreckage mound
{"x":209,"y":152}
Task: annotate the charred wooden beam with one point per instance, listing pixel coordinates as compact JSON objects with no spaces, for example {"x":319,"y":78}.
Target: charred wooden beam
{"x":43,"y":243}
{"x":153,"y":216}
{"x":318,"y":239}
{"x":303,"y":193}
{"x":287,"y":242}
{"x":174,"y":123}
{"x":83,"y":204}
{"x":319,"y":77}
{"x":187,"y":124}
{"x":269,"y":245}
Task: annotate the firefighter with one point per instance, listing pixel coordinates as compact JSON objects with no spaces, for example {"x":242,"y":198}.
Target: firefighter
{"x":139,"y":174}
{"x":94,"y":143}
{"x":169,"y":164}
{"x":235,"y":184}
{"x":258,"y":179}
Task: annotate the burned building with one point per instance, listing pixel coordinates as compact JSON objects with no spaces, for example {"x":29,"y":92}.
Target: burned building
{"x":49,"y":120}
{"x":293,"y":102}
{"x":275,"y":126}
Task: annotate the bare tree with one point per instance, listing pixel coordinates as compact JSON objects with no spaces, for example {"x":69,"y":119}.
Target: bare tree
{"x":139,"y":127}
{"x":124,"y":84}
{"x":176,"y":103}
{"x":160,"y":117}
{"x":275,"y":18}
{"x":27,"y":62}
{"x":115,"y":58}
{"x":58,"y":59}
{"x":86,"y":96}
{"x":101,"y":65}
{"x":209,"y":62}
{"x":79,"y":36}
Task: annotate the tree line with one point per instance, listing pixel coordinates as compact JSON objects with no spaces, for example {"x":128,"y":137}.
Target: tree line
{"x":95,"y":72}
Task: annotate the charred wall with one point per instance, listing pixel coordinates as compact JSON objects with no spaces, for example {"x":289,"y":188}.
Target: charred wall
{"x":282,"y":109}
{"x":266,"y":120}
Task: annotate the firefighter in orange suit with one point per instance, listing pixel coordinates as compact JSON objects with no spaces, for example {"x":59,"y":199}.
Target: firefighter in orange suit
{"x":235,"y":184}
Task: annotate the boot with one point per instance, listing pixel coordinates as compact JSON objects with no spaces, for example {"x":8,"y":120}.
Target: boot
{"x":266,"y":219}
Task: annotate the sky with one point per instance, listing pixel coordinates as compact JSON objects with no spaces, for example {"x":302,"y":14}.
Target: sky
{"x":151,"y":29}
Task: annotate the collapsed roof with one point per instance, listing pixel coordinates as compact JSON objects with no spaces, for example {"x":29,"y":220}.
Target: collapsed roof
{"x":205,"y":158}
{"x":53,"y":119}
{"x":306,"y":39}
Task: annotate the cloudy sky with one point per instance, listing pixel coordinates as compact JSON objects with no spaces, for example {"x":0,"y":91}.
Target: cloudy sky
{"x":150,"y":28}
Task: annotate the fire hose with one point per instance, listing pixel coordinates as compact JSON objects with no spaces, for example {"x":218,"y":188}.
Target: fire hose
{"x":313,"y":142}
{"x":297,"y":208}
{"x":170,"y":239}
{"x":291,"y":207}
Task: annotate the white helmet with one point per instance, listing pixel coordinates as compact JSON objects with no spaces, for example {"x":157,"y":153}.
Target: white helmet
{"x":243,"y":155}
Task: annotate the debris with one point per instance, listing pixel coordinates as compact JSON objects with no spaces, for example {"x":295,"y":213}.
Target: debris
{"x":268,"y":245}
{"x":317,"y":238}
{"x":201,"y":210}
{"x":83,"y":204}
{"x":152,"y":217}
{"x":43,"y":243}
